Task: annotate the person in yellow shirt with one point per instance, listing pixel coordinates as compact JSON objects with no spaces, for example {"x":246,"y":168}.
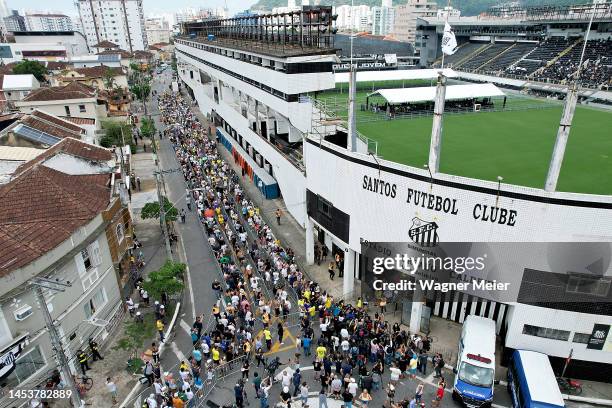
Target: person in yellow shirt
{"x":216,"y":356}
{"x":265,"y":318}
{"x":160,"y":329}
{"x":312,"y":311}
{"x":268,"y":337}
{"x":328,"y":303}
{"x":321,"y":351}
{"x":184,"y":365}
{"x":307,"y":294}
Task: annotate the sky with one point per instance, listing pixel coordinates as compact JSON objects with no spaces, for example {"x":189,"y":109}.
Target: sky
{"x":150,"y":6}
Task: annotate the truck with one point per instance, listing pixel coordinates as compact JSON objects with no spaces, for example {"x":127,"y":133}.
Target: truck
{"x":475,"y":370}
{"x":532,"y":382}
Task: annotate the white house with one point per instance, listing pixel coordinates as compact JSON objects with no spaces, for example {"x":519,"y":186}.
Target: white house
{"x":17,"y":87}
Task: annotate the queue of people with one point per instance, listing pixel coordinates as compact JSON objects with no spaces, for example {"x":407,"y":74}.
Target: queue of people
{"x":261,"y":281}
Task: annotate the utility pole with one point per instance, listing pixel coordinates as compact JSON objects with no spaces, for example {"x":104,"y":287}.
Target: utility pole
{"x":38,"y":284}
{"x":162,"y":215}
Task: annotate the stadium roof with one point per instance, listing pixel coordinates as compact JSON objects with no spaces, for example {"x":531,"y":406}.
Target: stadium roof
{"x":392,"y":75}
{"x":371,"y":45}
{"x":428,"y":93}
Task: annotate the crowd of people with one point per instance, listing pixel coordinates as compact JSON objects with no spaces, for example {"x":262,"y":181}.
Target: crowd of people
{"x":262,"y":293}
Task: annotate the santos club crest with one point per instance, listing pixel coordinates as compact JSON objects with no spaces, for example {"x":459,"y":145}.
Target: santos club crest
{"x":423,"y":233}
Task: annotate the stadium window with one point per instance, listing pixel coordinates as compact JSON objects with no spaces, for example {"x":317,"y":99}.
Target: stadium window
{"x":545,"y":332}
{"x":324,"y":207}
{"x":588,"y":286}
{"x":82,"y":108}
{"x":582,"y":338}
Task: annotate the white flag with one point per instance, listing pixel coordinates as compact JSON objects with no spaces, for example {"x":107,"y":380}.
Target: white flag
{"x":449,"y":43}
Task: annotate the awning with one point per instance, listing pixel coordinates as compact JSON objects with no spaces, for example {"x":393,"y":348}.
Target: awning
{"x":428,"y":93}
{"x":394,"y":75}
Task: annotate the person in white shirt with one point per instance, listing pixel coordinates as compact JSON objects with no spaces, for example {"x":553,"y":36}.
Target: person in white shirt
{"x":352,"y":387}
{"x":395,"y":374}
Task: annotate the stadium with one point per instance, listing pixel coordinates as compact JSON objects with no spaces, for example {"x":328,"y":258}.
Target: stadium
{"x":532,"y":54}
{"x":279,"y":99}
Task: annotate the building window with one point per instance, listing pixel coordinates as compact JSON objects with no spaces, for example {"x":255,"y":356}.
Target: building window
{"x":67,"y":109}
{"x":588,"y":286}
{"x":545,"y":332}
{"x":25,"y":366}
{"x":95,"y":303}
{"x":582,"y":338}
{"x":82,"y":108}
{"x":86,"y":259}
{"x":324,"y":207}
{"x":120,"y":234}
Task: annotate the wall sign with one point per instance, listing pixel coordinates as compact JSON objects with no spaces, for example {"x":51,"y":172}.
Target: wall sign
{"x":9,"y":355}
{"x":599,"y":337}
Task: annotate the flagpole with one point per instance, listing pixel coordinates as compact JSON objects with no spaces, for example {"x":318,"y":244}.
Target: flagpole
{"x":445,"y":22}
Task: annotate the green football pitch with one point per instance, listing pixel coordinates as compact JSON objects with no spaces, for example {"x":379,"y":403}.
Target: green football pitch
{"x":516,"y":145}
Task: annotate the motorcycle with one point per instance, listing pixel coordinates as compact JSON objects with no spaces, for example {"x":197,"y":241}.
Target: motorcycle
{"x":569,"y":386}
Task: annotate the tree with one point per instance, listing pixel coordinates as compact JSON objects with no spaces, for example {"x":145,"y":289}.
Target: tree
{"x":141,"y":90}
{"x":135,"y":336}
{"x":30,"y":67}
{"x":113,"y":136}
{"x":109,"y":79}
{"x":151,"y":210}
{"x":168,"y":279}
{"x":147,"y":127}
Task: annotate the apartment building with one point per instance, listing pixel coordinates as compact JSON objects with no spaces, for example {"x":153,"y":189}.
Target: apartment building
{"x":383,"y":20}
{"x":406,"y":15}
{"x":73,"y":228}
{"x":119,"y":21}
{"x":48,"y":22}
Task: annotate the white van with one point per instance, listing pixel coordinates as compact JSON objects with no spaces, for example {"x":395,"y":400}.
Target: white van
{"x":475,"y":371}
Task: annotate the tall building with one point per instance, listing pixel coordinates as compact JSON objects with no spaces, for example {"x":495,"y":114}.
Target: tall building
{"x":15,"y":22}
{"x":353,"y":17}
{"x":118,"y":21}
{"x":406,"y":18}
{"x":48,"y":22}
{"x":383,"y":19}
{"x":158,"y":30}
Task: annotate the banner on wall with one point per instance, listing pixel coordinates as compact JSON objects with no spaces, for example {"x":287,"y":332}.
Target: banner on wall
{"x":9,"y":356}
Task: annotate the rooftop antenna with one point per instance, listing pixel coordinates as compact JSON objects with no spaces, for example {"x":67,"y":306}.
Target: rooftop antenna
{"x":566,"y":119}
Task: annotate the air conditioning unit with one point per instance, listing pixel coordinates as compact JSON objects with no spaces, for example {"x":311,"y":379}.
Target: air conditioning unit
{"x":22,"y":313}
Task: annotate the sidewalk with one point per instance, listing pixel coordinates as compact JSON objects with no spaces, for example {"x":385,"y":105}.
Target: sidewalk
{"x":149,"y":234}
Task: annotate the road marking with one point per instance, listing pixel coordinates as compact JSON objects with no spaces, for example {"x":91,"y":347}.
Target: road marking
{"x":179,"y":354}
{"x":191,"y":297}
{"x":185,"y":326}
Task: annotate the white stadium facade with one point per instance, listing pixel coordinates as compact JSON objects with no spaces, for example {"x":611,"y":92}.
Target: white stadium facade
{"x":253,"y":80}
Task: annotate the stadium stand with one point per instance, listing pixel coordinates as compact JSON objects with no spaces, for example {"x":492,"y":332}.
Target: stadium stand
{"x":513,"y":54}
{"x":597,"y":56}
{"x":462,"y":52}
{"x":492,"y":51}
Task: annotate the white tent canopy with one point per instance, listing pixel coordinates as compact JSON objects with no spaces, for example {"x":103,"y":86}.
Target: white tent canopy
{"x":428,"y":93}
{"x":394,"y":75}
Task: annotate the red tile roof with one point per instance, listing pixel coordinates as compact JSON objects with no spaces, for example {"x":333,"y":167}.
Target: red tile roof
{"x":56,"y":65}
{"x":74,"y":90}
{"x":41,"y":208}
{"x":99,"y":71}
{"x":79,"y":121}
{"x":72,"y":147}
{"x":124,"y":54}
{"x":58,"y":121}
{"x":106,"y":44}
